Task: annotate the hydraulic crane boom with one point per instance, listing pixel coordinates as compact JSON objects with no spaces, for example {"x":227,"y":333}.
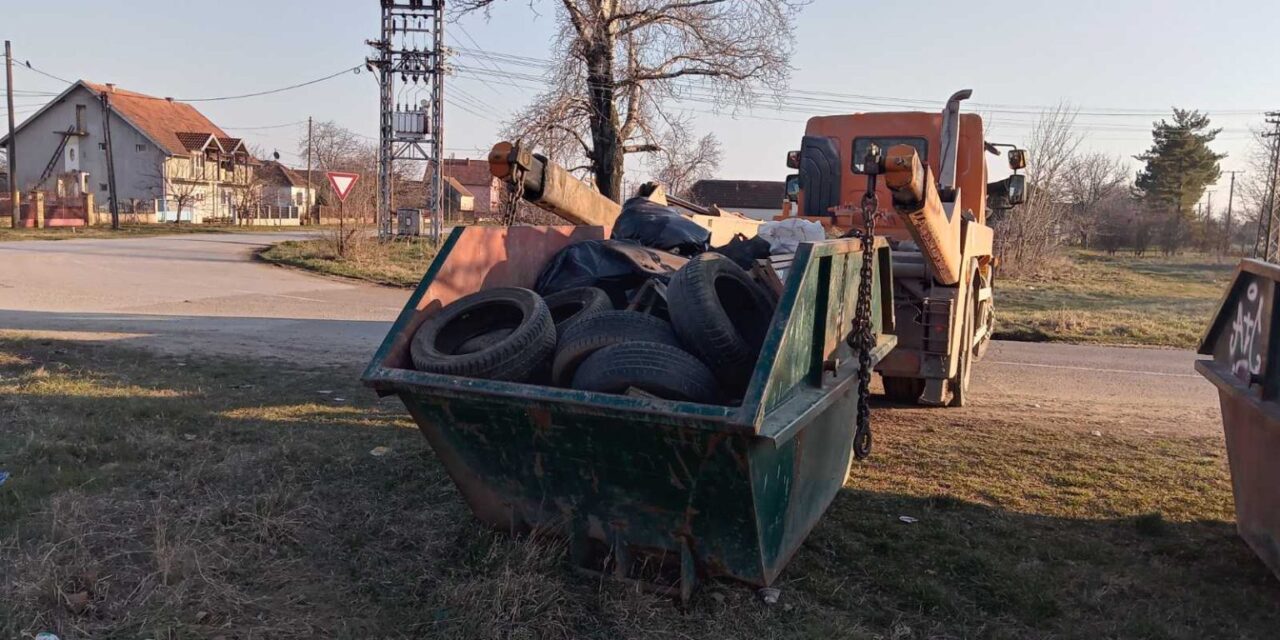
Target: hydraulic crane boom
{"x":552,"y":188}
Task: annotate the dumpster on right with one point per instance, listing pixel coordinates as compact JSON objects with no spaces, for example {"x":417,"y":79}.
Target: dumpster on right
{"x":1246,"y":369}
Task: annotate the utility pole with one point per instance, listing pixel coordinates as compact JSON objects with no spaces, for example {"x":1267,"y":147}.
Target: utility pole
{"x":310,"y":193}
{"x":13,"y":143}
{"x":1270,"y":243}
{"x":411,"y":47}
{"x":1226,"y":227}
{"x":111,"y":161}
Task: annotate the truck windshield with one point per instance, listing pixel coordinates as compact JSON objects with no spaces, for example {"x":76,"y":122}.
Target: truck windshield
{"x":860,"y":147}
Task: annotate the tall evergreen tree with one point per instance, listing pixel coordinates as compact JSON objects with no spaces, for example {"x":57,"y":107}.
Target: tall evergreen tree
{"x":1179,"y":165}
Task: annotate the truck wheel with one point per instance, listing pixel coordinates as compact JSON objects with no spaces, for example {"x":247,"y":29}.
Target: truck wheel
{"x":721,"y":316}
{"x":903,"y":390}
{"x":986,"y":317}
{"x":572,"y":305}
{"x":444,"y":343}
{"x":658,"y":369}
{"x":605,"y":328}
{"x":959,"y":385}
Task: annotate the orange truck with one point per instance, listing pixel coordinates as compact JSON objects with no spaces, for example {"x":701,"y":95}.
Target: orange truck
{"x":943,"y":266}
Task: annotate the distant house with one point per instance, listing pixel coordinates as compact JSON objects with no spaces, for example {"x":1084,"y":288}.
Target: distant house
{"x":472,"y":178}
{"x":166,"y":153}
{"x":459,"y":202}
{"x":759,"y":199}
{"x":285,"y":187}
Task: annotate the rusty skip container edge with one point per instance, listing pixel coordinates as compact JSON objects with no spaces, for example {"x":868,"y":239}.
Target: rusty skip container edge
{"x":658,"y":488}
{"x":1245,"y":367}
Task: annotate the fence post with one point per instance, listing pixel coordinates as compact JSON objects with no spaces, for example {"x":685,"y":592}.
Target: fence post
{"x":37,"y":210}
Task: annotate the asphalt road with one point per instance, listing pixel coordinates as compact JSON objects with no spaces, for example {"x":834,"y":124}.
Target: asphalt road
{"x":191,"y":293}
{"x":203,"y":293}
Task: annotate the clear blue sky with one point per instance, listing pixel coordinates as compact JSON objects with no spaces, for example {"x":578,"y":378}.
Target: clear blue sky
{"x":1137,"y":56}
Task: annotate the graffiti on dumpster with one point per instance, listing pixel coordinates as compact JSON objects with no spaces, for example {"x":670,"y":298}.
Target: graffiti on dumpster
{"x":1245,"y":332}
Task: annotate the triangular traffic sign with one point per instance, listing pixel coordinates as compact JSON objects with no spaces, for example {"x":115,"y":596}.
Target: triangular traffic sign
{"x":341,"y":181}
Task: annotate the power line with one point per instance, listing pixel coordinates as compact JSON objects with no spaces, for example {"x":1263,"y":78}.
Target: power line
{"x":270,"y":126}
{"x":353,"y":69}
{"x":892,"y":100}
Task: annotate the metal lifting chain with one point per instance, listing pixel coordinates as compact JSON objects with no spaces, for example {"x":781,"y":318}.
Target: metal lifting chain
{"x":863,"y":338}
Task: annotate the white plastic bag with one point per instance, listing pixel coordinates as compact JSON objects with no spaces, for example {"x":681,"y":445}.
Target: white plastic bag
{"x":785,"y":235}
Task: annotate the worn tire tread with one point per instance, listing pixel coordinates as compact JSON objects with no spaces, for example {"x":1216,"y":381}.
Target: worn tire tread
{"x":512,"y":359}
{"x":663,"y":370}
{"x":595,"y":332}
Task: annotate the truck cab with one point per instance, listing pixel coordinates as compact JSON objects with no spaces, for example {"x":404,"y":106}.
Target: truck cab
{"x":943,"y":264}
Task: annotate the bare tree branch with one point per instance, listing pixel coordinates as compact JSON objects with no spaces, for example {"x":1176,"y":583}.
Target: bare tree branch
{"x":622,"y":58}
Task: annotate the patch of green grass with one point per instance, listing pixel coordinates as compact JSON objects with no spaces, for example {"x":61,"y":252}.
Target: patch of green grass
{"x":156,"y":496}
{"x":400,"y":263}
{"x":1122,"y":299}
{"x":8,"y":234}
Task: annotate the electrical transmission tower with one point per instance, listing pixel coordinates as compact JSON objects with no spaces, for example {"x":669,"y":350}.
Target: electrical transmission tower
{"x":1270,"y":242}
{"x":412,"y":119}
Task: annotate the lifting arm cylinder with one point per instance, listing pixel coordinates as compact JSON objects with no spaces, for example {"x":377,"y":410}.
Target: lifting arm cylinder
{"x":916,"y":200}
{"x":550,"y":187}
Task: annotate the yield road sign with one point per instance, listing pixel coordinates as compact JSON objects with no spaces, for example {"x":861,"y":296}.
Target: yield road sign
{"x":342,"y":182}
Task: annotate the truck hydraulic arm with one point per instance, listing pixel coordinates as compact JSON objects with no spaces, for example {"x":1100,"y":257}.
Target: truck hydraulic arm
{"x":934,"y":227}
{"x":550,"y":187}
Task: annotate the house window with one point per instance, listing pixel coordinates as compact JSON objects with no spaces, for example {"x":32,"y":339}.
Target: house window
{"x":140,"y":147}
{"x":298,"y":198}
{"x":80,"y":117}
{"x":71,"y":154}
{"x":102,"y":186}
{"x":102,"y":145}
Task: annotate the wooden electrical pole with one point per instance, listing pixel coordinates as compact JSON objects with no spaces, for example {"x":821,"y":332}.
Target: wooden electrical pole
{"x":13,"y":143}
{"x":111,"y":163}
{"x":1226,"y":226}
{"x":310,"y":197}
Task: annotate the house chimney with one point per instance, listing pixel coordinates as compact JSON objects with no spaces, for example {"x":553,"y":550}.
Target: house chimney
{"x":111,"y":87}
{"x":169,"y":98}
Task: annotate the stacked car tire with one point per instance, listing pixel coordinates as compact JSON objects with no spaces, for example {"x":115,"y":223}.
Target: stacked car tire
{"x":574,"y":338}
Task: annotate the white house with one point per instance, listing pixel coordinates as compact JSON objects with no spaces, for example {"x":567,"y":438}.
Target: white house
{"x":167,"y":155}
{"x":284,"y":187}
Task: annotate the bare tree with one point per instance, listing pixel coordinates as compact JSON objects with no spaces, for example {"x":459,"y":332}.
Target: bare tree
{"x":334,"y":146}
{"x":683,"y":160}
{"x":248,"y":195}
{"x":1090,"y":181}
{"x":622,"y":59}
{"x":179,"y":182}
{"x":1029,"y":233}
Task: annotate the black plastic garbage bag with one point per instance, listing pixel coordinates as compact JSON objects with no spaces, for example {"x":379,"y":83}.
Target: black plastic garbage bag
{"x":653,"y":225}
{"x":617,"y":267}
{"x":744,"y":251}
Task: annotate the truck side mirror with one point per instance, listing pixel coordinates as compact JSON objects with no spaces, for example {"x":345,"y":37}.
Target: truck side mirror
{"x":1017,"y":188}
{"x":1017,"y":159}
{"x":793,"y":187}
{"x":793,"y":159}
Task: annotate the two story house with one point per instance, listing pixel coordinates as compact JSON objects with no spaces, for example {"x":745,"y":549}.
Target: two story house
{"x":169,"y":158}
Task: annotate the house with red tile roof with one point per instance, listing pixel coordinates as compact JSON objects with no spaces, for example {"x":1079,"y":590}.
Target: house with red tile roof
{"x":285,"y":187}
{"x":468,"y":181}
{"x":165,"y":153}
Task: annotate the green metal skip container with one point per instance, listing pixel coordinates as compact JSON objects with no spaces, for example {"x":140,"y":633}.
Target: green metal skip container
{"x":667,"y":493}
